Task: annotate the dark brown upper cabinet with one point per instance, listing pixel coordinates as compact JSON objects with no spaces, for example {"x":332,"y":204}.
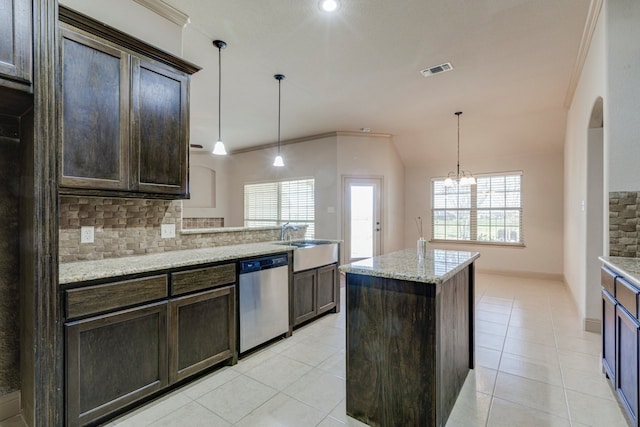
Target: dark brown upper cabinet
{"x":125,"y":114}
{"x":15,"y":44}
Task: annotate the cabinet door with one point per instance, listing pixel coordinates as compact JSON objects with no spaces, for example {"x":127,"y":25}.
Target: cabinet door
{"x":627,"y":361}
{"x":15,"y":44}
{"x":95,"y":114}
{"x":304,"y":296}
{"x":161,"y":124}
{"x":327,"y":288}
{"x":202,"y":331}
{"x":114,"y":360}
{"x":609,"y":335}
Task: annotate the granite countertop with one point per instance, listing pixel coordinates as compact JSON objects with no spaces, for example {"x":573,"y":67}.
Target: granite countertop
{"x":437,"y":267}
{"x":630,"y":267}
{"x":83,"y":271}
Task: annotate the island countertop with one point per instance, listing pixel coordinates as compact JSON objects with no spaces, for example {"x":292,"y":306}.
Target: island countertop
{"x":437,"y":267}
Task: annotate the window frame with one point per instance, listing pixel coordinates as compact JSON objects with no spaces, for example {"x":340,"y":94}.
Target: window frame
{"x":278,"y":200}
{"x":474,"y":210}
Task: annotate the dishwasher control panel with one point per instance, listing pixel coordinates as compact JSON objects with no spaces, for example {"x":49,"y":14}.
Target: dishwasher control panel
{"x":263,"y":263}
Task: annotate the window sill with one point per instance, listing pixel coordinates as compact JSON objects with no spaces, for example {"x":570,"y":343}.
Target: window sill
{"x":476,"y":242}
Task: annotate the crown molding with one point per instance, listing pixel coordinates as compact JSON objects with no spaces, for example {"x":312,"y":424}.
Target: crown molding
{"x":166,"y":11}
{"x":585,"y":43}
{"x":312,"y":138}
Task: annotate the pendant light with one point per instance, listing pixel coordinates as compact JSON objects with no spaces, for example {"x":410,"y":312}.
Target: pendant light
{"x":460,"y":177}
{"x":278,"y":162}
{"x":219,"y":149}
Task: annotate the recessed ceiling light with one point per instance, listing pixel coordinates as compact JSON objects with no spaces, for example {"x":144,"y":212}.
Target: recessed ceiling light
{"x":329,"y":5}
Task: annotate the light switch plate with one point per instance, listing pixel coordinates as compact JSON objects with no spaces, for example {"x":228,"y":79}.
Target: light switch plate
{"x":87,"y":234}
{"x":167,"y":231}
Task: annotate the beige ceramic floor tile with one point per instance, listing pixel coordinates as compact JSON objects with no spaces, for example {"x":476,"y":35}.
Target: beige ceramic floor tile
{"x":279,"y":372}
{"x":282,"y":410}
{"x":580,"y":361}
{"x":495,"y":342}
{"x":592,"y":383}
{"x":155,"y":410}
{"x":212,"y":381}
{"x":471,"y":409}
{"x":532,"y":333}
{"x":493,"y":308}
{"x":490,"y":327}
{"x":593,"y":411}
{"x":487,"y":357}
{"x":237,"y":398}
{"x":318,"y":389}
{"x":192,"y":415}
{"x":16,"y":421}
{"x":509,"y":414}
{"x":336,"y":365}
{"x":531,"y":350}
{"x":339,"y":414}
{"x":491,"y":316}
{"x":533,"y":369}
{"x":532,"y":394}
{"x":311,"y":354}
{"x":481,"y":379}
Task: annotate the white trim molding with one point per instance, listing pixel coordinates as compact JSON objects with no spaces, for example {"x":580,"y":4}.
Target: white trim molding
{"x":585,"y":43}
{"x":166,"y":11}
{"x":592,"y":325}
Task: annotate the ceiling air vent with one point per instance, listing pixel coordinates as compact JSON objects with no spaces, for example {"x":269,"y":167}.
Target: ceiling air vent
{"x":431,"y":71}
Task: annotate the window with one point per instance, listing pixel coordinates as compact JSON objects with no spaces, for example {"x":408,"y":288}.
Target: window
{"x":490,"y":211}
{"x":275,"y":203}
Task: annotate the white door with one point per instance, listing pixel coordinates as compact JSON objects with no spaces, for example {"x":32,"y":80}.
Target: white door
{"x":362,"y":222}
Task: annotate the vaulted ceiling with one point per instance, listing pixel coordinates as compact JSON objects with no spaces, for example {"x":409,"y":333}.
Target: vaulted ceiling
{"x":360,"y":67}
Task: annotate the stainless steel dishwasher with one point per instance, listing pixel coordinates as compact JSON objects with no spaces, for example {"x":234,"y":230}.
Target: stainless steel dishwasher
{"x":264,"y":300}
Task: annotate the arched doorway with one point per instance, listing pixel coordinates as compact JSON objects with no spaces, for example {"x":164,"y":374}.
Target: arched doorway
{"x":596,"y":232}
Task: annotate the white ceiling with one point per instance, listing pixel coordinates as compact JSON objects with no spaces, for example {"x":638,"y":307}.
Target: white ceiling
{"x":359,"y":67}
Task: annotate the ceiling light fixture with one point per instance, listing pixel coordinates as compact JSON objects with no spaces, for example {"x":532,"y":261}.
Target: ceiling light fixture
{"x":278,"y":161}
{"x":329,"y":5}
{"x":460,"y":177}
{"x":219,"y":149}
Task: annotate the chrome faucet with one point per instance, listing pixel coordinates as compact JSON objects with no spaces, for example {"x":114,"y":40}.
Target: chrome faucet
{"x":287,"y":227}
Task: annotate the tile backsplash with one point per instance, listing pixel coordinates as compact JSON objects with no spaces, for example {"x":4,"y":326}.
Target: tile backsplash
{"x":125,"y":227}
{"x":624,"y":212}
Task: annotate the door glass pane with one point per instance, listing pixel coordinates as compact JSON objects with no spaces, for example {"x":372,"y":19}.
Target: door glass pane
{"x":361,"y":221}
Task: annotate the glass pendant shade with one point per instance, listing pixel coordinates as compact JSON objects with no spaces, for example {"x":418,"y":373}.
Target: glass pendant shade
{"x":219,"y":149}
{"x":278,"y":162}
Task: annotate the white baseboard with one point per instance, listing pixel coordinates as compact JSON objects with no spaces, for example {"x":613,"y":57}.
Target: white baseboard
{"x":592,"y":325}
{"x":9,"y":405}
{"x":525,"y":274}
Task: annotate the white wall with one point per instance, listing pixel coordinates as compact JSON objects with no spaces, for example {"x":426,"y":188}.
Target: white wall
{"x":376,"y":156}
{"x":622,"y":128}
{"x":542,"y":211}
{"x":197,"y":207}
{"x":591,"y":86}
{"x":316,"y":159}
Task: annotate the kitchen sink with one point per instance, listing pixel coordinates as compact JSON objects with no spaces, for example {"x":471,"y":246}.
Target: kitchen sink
{"x":312,"y":253}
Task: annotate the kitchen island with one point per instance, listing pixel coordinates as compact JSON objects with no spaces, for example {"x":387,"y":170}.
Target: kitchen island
{"x":409,"y":336}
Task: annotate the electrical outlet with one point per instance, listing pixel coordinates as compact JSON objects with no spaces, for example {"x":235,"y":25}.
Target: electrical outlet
{"x":86,"y":234}
{"x":167,"y":231}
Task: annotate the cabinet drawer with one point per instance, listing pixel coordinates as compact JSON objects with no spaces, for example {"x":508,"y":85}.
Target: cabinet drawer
{"x":202,"y":278}
{"x":627,"y":296}
{"x":110,"y":296}
{"x":608,"y":279}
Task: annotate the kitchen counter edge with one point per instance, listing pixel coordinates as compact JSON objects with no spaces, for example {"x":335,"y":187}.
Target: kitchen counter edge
{"x":84,"y":271}
{"x":437,"y":267}
{"x":630,"y":267}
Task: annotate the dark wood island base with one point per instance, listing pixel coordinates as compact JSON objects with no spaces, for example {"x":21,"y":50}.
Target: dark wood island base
{"x":409,"y":341}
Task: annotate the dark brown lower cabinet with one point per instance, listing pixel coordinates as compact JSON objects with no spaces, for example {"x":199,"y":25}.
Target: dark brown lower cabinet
{"x":113,"y":360}
{"x":627,"y":334}
{"x":609,"y":335}
{"x":315,"y":291}
{"x":202,"y":331}
{"x":304,"y":296}
{"x":328,"y":288}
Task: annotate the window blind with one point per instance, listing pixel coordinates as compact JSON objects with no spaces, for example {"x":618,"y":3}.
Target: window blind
{"x":276,"y":203}
{"x":489,"y":212}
